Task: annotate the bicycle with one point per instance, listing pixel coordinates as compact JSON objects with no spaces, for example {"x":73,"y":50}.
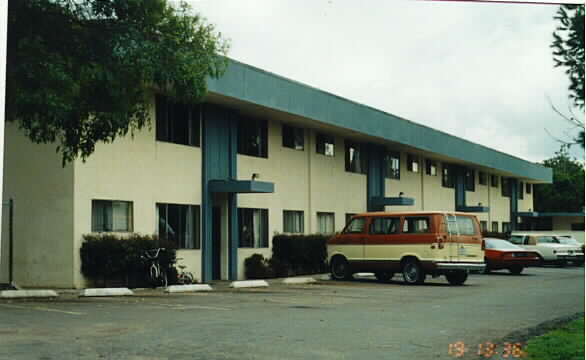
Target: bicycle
{"x":184,"y":277}
{"x":156,"y":275}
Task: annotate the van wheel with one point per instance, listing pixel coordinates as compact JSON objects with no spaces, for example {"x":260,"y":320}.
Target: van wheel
{"x":383,"y":276}
{"x":340,"y":269}
{"x":412,"y":272}
{"x":516,"y":270}
{"x":457,"y":278}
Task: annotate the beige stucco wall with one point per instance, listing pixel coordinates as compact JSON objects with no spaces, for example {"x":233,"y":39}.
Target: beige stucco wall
{"x":145,"y":172}
{"x":43,"y":211}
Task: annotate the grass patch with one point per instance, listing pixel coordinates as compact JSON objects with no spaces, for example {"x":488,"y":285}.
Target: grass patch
{"x":565,"y":343}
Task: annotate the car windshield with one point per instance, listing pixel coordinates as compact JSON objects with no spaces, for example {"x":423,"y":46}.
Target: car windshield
{"x":568,"y":241}
{"x":499,"y":244}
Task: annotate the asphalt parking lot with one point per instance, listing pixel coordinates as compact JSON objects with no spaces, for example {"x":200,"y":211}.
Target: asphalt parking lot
{"x":329,"y":320}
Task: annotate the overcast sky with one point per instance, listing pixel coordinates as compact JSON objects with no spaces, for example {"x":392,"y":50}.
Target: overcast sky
{"x":483,"y":72}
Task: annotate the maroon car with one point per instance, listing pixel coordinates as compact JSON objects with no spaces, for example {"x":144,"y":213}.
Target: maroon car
{"x":501,"y":254}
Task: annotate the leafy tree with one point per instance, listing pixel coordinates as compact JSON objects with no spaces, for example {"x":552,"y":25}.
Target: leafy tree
{"x":84,"y":71}
{"x":568,"y":52}
{"x":566,"y":193}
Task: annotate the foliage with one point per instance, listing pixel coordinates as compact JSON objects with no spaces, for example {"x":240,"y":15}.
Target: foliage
{"x":566,"y":343}
{"x":257,"y":267}
{"x":566,"y":193}
{"x":84,"y":71}
{"x":300,"y":254}
{"x":107,"y":256}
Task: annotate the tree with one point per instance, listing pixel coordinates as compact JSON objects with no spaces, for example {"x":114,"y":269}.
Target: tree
{"x":566,"y":193}
{"x":84,"y":71}
{"x":568,"y":52}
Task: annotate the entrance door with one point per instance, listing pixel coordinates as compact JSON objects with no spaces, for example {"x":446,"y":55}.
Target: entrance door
{"x":216,"y":243}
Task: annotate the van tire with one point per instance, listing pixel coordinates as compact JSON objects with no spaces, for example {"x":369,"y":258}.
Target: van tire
{"x":516,"y":270}
{"x":413,"y":273}
{"x":340,"y":268}
{"x":457,"y":278}
{"x":383,"y":276}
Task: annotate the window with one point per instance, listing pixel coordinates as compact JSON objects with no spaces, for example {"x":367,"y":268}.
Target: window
{"x":494,"y":181}
{"x":517,"y":239}
{"x":293,"y":137}
{"x":577,"y":226}
{"x":521,"y":190}
{"x":293,"y":221}
{"x":470,"y":181}
{"x":482,"y":178}
{"x":385,"y":225}
{"x":177,"y":123}
{"x":324,"y":144}
{"x":325,"y":222}
{"x":252,"y":137}
{"x":505,"y":187}
{"x":109,"y":216}
{"x":466,"y":225}
{"x":430,"y":167}
{"x":179,"y":224}
{"x":356,"y":158}
{"x":356,"y":226}
{"x":349,"y":217}
{"x":528,"y":190}
{"x":412,"y":163}
{"x":483,"y":226}
{"x":506,"y":226}
{"x":447,"y":176}
{"x":495,"y":226}
{"x":254,"y":227}
{"x":392,"y":164}
{"x":416,"y":224}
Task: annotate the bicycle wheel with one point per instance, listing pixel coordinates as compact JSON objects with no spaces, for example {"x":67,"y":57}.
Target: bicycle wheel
{"x":163,"y":279}
{"x":187,"y":278}
{"x":154,"y":274}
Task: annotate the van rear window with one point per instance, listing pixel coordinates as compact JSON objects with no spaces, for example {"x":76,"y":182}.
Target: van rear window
{"x":466,"y":225}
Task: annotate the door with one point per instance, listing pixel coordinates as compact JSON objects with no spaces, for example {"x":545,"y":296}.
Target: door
{"x":216,"y":243}
{"x":452,"y":232}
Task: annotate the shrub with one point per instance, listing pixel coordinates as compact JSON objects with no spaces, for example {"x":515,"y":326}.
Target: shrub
{"x":300,"y":254}
{"x":257,"y":267}
{"x":497,"y":235}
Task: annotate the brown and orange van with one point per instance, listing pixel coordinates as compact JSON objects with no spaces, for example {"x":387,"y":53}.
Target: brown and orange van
{"x":415,"y":244}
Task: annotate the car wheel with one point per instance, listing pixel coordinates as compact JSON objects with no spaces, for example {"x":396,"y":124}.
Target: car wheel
{"x":487,"y":268}
{"x":562,"y":263}
{"x":516,"y":270}
{"x":457,"y":278}
{"x":383,"y":276}
{"x":413,"y":272}
{"x":340,"y":269}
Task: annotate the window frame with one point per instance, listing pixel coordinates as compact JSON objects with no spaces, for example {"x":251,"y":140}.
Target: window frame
{"x":299,"y":213}
{"x":247,"y":128}
{"x":326,"y":213}
{"x":166,"y":130}
{"x":521,"y":190}
{"x":347,"y":231}
{"x":293,"y":137}
{"x":362,"y":157}
{"x":494,"y":181}
{"x":494,"y":226}
{"x":430,"y":167}
{"x":528,"y":187}
{"x":323,"y":142}
{"x":263,"y":242}
{"x":390,"y":159}
{"x":382,"y":218}
{"x":469,"y":179}
{"x":506,"y":188}
{"x":405,"y":222}
{"x":448,"y":176}
{"x":412,"y":163}
{"x":482,"y":178}
{"x":181,"y":243}
{"x":129,"y":216}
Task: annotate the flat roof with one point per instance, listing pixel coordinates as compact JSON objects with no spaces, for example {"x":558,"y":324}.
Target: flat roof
{"x":259,"y":87}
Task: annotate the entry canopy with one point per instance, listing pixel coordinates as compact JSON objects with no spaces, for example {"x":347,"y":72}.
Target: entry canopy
{"x":474,"y":209}
{"x":388,"y":201}
{"x":241,"y":186}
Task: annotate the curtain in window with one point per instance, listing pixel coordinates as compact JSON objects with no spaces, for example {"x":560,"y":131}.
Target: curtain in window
{"x":325,"y":223}
{"x":101,"y":216}
{"x":257,"y":227}
{"x":188,"y":236}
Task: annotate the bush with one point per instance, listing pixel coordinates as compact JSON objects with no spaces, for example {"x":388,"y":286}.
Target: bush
{"x":110,"y":256}
{"x":496,"y":235}
{"x":299,"y":254}
{"x":257,"y":267}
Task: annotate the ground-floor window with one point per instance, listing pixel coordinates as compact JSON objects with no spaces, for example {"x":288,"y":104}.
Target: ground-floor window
{"x":506,"y":227}
{"x":179,"y":224}
{"x":325,"y":222}
{"x":254,"y":228}
{"x":483,"y":226}
{"x":495,"y":226}
{"x":111,"y":215}
{"x":293,"y":221}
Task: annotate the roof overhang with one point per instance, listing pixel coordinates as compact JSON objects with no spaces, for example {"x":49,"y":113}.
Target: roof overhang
{"x":241,"y":186}
{"x":548,"y":214}
{"x":391,"y":201}
{"x":473,"y":209}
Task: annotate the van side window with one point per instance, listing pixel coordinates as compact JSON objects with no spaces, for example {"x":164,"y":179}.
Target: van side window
{"x":517,"y":239}
{"x":416,"y":224}
{"x":356,"y":226}
{"x":385,"y":225}
{"x":466,"y":225}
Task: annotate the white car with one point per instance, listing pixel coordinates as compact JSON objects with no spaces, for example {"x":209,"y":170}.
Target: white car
{"x":549,"y":248}
{"x":570,"y":240}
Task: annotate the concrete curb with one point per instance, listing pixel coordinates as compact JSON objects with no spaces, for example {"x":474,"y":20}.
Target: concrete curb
{"x":16,"y":294}
{"x":106,"y":292}
{"x":299,"y":280}
{"x":248,"y":284}
{"x":187,"y":288}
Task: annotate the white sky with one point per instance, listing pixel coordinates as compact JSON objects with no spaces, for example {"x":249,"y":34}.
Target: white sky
{"x":478,"y":71}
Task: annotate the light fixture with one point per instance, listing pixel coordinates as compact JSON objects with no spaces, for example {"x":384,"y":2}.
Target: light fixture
{"x":255,"y":176}
{"x":401,"y":194}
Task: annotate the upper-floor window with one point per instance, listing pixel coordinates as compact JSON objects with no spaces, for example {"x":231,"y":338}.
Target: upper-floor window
{"x":111,"y":216}
{"x":325,"y":222}
{"x":521,"y":190}
{"x":293,"y":137}
{"x":392,"y":165}
{"x":412,"y":163}
{"x":254,"y":227}
{"x":528,"y":186}
{"x":482,"y":178}
{"x":505,"y":187}
{"x":252,"y":137}
{"x":179,"y":224}
{"x":177,"y":123}
{"x":293,"y":221}
{"x":356,"y":158}
{"x":447,"y":176}
{"x":430,"y":167}
{"x":470,"y":181}
{"x":324,"y":144}
{"x":494,"y":180}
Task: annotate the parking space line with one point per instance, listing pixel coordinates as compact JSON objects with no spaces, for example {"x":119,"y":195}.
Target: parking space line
{"x":40,"y":308}
{"x":188,"y":307}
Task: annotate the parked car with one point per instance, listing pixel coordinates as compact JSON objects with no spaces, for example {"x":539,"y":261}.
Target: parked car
{"x":549,"y":248}
{"x":416,"y":244}
{"x":501,"y":254}
{"x":570,"y":240}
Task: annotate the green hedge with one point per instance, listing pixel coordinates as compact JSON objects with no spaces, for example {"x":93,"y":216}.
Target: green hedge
{"x":299,"y":254}
{"x":497,"y":235}
{"x":110,"y":256}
